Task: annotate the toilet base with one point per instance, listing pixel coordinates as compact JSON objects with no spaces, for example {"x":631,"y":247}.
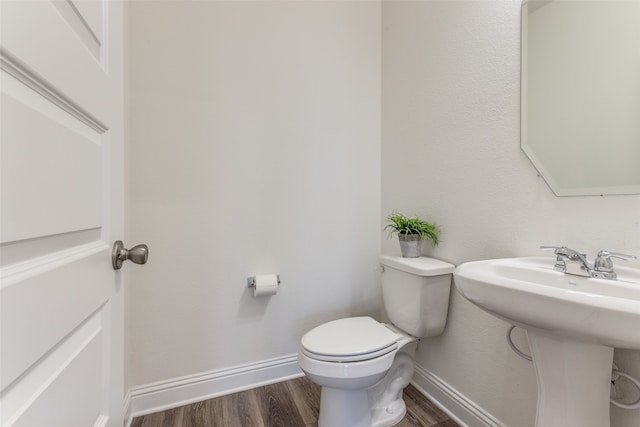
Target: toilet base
{"x":344,"y":408}
{"x":385,"y":398}
{"x":389,"y":416}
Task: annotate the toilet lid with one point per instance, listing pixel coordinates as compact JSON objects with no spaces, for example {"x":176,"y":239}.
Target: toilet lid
{"x":350,"y":339}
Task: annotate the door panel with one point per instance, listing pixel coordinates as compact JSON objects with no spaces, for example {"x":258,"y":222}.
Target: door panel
{"x":85,"y":18}
{"x":61,"y":208}
{"x":35,"y":148}
{"x":79,"y":275}
{"x":43,"y":46}
{"x":46,"y":395}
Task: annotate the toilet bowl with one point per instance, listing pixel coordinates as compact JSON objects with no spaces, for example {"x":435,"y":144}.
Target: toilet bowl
{"x":363,"y":365}
{"x":347,"y":358}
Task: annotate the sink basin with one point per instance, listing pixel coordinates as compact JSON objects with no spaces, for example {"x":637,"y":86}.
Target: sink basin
{"x":572,"y":323}
{"x":528,"y":292}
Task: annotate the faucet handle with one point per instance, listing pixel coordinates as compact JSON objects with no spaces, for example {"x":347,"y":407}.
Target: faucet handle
{"x":558,"y":250}
{"x":603,"y":263}
{"x":604,"y":258}
{"x":565,"y":251}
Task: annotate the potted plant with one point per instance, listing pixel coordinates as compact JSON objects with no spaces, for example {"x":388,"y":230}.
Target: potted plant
{"x":411,"y":232}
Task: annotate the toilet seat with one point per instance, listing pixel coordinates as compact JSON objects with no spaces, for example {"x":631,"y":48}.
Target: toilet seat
{"x":352,"y":358}
{"x":351,"y":339}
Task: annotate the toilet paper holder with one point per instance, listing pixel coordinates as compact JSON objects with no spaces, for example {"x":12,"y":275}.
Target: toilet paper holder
{"x":251,"y":281}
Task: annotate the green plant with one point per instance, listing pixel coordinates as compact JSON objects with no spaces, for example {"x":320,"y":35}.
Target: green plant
{"x":400,"y":224}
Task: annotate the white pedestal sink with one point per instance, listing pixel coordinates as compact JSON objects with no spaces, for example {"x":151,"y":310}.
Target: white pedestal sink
{"x":572,"y":323}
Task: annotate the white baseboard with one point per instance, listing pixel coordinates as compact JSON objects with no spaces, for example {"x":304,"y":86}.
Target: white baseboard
{"x":451,"y":401}
{"x":181,"y":391}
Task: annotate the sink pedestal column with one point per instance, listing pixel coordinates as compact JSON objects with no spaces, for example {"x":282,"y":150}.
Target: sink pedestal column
{"x":574,"y":380}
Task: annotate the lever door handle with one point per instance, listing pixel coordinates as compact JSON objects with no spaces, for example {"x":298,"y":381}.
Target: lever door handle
{"x":138,"y":254}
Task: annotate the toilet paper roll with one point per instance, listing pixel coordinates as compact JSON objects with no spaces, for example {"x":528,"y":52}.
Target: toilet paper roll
{"x":265,"y":285}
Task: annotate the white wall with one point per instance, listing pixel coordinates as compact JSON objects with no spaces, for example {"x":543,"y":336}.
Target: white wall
{"x":255,"y":148}
{"x":450,"y":153}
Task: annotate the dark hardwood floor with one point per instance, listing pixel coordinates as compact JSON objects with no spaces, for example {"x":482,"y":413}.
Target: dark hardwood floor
{"x":291,"y":403}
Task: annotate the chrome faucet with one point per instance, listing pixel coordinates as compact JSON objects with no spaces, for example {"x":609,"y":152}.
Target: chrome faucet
{"x":565,"y":254}
{"x":602,"y":266}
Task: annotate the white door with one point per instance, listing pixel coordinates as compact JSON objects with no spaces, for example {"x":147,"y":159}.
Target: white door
{"x":61,"y":207}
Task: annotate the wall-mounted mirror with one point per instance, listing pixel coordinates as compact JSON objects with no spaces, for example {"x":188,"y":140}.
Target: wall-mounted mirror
{"x":581,"y":94}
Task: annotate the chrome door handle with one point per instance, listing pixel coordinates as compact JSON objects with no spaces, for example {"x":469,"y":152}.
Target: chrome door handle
{"x":137,"y":254}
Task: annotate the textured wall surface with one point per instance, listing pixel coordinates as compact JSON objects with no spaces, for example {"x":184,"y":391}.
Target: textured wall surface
{"x":450,"y":153}
{"x":255,"y":148}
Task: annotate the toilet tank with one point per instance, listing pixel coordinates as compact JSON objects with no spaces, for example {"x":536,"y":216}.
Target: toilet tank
{"x":416,"y":293}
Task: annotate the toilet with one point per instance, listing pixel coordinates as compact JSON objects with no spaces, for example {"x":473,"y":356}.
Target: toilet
{"x":363,"y":365}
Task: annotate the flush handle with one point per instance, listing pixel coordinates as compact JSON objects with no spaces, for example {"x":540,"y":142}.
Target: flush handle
{"x":137,"y":254}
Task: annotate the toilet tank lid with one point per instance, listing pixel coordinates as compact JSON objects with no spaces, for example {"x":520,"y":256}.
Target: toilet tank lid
{"x":421,"y":266}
